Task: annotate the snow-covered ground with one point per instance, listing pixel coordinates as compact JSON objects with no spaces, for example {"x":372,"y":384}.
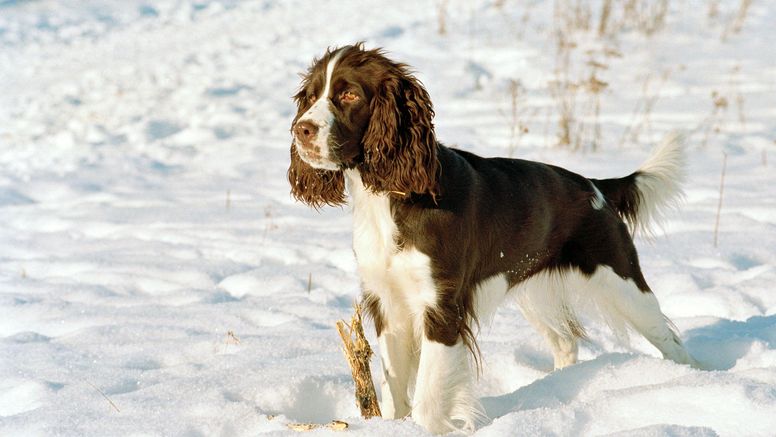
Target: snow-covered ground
{"x":145,"y":214}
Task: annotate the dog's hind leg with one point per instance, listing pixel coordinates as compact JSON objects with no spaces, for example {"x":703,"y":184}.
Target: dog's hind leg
{"x":542,"y":300}
{"x":603,"y":251}
{"x":564,"y":346}
{"x":640,"y":310}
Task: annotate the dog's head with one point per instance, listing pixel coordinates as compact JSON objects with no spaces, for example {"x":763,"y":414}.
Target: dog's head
{"x":358,"y":109}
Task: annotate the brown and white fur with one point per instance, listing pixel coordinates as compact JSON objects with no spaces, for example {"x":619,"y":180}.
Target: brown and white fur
{"x":443,"y":236}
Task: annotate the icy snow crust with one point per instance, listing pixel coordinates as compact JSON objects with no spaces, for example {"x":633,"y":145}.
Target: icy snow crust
{"x":145,"y":214}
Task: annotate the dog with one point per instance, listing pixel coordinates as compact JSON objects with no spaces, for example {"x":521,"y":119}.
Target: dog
{"x":441,"y":236}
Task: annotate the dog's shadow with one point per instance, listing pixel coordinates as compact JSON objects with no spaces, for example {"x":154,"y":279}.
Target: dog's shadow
{"x":557,"y":388}
{"x":721,"y":345}
{"x":718,"y":346}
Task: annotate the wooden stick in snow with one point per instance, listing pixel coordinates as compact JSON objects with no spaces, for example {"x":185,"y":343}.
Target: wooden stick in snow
{"x":334,"y":425}
{"x":358,"y":353}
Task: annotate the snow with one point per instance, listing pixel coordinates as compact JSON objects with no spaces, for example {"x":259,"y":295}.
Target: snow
{"x":145,"y":212}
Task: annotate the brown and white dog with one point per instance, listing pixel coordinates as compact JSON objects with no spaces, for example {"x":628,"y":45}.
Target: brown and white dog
{"x":442,"y":236}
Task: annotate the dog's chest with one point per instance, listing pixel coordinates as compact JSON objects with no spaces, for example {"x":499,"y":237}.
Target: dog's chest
{"x":400,"y":277}
{"x":374,"y":231}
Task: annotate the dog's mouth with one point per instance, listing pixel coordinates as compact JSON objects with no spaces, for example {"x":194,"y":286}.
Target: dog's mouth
{"x":314,"y":157}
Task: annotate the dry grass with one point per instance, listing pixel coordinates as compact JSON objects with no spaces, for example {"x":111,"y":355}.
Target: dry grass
{"x":641,"y":118}
{"x":594,"y":87}
{"x":231,"y":338}
{"x":269,"y":220}
{"x":565,"y":94}
{"x":714,"y":123}
{"x":442,"y":17}
{"x":572,"y":15}
{"x":603,"y":17}
{"x":719,"y":205}
{"x":647,"y":16}
{"x":577,"y":89}
{"x":562,"y":88}
{"x":735,"y":82}
{"x":736,"y":24}
{"x":713,"y":10}
{"x":517,"y":124}
{"x":517,"y":27}
{"x":105,"y":396}
{"x":579,"y":84}
{"x":730,"y":19}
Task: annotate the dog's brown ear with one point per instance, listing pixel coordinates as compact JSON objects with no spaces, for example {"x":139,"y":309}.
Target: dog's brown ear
{"x":315,"y":187}
{"x":399,"y":143}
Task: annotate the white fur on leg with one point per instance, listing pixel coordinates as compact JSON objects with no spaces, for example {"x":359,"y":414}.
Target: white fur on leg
{"x":489,"y":295}
{"x":642,"y":312}
{"x":564,"y":350}
{"x":550,"y":300}
{"x":563,"y":344}
{"x":547,"y":301}
{"x":399,"y":363}
{"x":444,"y":397}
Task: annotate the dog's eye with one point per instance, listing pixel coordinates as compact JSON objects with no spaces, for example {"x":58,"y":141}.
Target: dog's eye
{"x":348,"y":97}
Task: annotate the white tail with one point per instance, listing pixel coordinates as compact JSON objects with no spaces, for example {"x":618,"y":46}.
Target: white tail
{"x":659,"y":184}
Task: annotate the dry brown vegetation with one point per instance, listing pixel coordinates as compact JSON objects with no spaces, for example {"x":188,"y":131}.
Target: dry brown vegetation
{"x":579,"y":75}
{"x":641,"y":116}
{"x":586,"y":36}
{"x":517,"y":124}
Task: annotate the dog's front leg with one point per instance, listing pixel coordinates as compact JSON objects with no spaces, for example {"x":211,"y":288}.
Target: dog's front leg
{"x":444,"y":396}
{"x":399,"y":361}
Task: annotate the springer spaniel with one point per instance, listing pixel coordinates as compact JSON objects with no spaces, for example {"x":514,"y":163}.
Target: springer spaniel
{"x":442,"y":236}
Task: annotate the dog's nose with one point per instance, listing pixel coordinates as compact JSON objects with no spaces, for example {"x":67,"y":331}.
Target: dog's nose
{"x":305,"y":131}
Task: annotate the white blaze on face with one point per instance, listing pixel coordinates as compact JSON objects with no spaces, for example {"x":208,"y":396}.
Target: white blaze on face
{"x":320,"y":115}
